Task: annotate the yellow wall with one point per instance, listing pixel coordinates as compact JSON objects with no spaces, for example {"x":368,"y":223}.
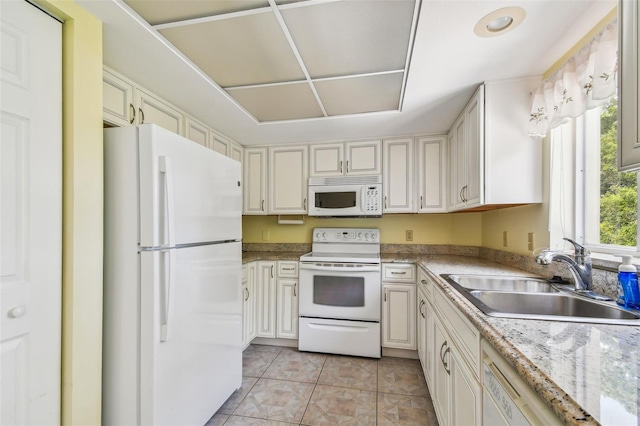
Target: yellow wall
{"x":462,"y":228}
{"x":82,"y":213}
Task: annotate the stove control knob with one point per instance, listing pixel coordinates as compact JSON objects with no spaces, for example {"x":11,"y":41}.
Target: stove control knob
{"x":317,"y":235}
{"x":366,"y":236}
{"x":359,"y":234}
{"x":324,"y":235}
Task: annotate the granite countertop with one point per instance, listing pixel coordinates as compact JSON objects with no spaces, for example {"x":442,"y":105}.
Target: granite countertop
{"x":587,"y":373}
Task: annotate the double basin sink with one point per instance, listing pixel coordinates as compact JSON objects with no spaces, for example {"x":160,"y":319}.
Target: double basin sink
{"x":536,"y":298}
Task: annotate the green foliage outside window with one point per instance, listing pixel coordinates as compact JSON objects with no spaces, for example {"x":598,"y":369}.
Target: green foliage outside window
{"x":618,"y":191}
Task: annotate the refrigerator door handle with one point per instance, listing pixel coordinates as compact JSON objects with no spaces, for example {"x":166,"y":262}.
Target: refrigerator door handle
{"x":166,"y":294}
{"x":167,"y":204}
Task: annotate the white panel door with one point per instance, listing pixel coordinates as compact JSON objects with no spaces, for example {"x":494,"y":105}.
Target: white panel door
{"x":288,"y":176}
{"x":363,"y":157}
{"x":255,"y":181}
{"x":431,"y":173}
{"x":236,"y":152}
{"x":398,"y":176}
{"x":154,"y":110}
{"x":117,"y":100}
{"x":266,"y":302}
{"x":399,"y":316}
{"x":287,"y":308}
{"x":326,"y":159}
{"x":31,"y":221}
{"x":220,"y":144}
{"x":196,"y":132}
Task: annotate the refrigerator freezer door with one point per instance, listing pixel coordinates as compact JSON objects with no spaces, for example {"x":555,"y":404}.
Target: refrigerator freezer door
{"x":188,"y":193}
{"x":191,"y":332}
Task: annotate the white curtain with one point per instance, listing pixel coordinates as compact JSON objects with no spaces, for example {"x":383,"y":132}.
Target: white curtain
{"x":586,"y":81}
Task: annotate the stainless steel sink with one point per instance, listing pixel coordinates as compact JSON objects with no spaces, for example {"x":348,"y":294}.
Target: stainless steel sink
{"x":502,"y":283}
{"x":534,"y":298}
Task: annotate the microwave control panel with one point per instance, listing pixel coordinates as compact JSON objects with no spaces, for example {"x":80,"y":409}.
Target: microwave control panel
{"x":346,"y":235}
{"x":373,"y":199}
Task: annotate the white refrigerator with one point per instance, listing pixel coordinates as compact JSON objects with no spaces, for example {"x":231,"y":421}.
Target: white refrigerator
{"x":172,"y":347}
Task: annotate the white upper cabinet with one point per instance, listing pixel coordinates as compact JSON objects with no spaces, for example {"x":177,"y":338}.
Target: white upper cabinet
{"x":117,"y":98}
{"x":288,"y":176}
{"x":236,"y":152}
{"x":196,"y":131}
{"x":493,"y":162}
{"x":220,"y":144}
{"x":629,"y":86}
{"x":431,"y":158}
{"x":255,"y":181}
{"x":349,"y":158}
{"x":152,"y":109}
{"x":398,"y":176}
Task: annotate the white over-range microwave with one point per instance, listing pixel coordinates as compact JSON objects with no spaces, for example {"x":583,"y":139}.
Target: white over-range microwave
{"x":346,"y":196}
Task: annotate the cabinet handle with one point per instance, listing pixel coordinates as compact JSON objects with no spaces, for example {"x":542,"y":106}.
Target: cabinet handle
{"x":421,"y":205}
{"x":304,"y":204}
{"x":385,"y":295}
{"x":460,"y":194}
{"x":420,"y":309}
{"x":444,"y":345}
{"x":464,"y":193}
{"x":247,"y":297}
{"x":423,"y":282}
{"x":446,"y":365}
{"x":341,"y":169}
{"x":271,"y":271}
{"x":399,"y":273}
{"x":347,"y":166}
{"x":385,"y":201}
{"x":262,"y":205}
{"x":294,"y":290}
{"x":141,"y":115}
{"x":288,"y":269}
{"x":133,"y":113}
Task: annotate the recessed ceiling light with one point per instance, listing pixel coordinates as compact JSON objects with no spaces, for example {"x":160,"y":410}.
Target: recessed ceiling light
{"x":499,"y":21}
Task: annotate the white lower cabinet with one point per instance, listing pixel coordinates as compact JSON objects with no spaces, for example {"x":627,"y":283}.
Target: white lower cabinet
{"x":287,"y":301}
{"x":266,"y":290}
{"x":424,"y":334}
{"x":249,"y":303}
{"x":398,"y":306}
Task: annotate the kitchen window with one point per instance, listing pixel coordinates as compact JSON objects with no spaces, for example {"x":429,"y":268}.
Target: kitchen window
{"x":589,"y":199}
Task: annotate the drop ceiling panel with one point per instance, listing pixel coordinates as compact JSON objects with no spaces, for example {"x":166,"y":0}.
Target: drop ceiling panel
{"x":240,"y":51}
{"x":352,"y":37}
{"x":163,"y":11}
{"x":280,"y":102}
{"x":360,"y":94}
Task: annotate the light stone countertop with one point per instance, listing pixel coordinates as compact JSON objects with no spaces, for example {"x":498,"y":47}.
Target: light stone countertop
{"x":587,"y":373}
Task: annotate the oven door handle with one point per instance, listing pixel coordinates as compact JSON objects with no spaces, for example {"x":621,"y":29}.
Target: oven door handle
{"x":366,"y":268}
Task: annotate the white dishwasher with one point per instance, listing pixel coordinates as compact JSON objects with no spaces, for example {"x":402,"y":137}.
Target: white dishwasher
{"x":506,"y":398}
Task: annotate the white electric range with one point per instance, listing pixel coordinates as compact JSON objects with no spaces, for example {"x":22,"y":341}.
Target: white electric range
{"x":340,"y":288}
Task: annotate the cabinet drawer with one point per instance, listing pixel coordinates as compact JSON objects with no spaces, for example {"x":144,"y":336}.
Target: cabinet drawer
{"x":465,"y":334}
{"x":398,"y":272}
{"x":287,"y":269}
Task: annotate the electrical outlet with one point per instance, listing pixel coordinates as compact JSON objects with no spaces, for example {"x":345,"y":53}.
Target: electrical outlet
{"x":409,"y":235}
{"x":530,"y":241}
{"x":265,"y":235}
{"x":504,"y":238}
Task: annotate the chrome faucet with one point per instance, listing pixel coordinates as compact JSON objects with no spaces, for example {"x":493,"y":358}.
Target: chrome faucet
{"x":580,"y":268}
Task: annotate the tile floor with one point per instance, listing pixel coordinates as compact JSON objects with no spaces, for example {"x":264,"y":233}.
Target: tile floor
{"x":282,"y":386}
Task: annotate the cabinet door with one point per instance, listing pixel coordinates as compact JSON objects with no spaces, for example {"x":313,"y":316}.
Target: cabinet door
{"x":466,"y":393}
{"x":452,"y":183}
{"x":236,"y":152}
{"x":255,"y":181}
{"x":398,"y":176}
{"x":196,"y":131}
{"x":441,"y":372}
{"x":220,"y":144}
{"x":117,"y":100}
{"x":421,"y":333}
{"x":287,"y":316}
{"x":399,"y":316}
{"x":326,"y":159}
{"x":266,"y":301}
{"x":363,"y":158}
{"x":474,"y":140}
{"x":432,"y":157}
{"x":249,"y":305}
{"x":629,"y":104}
{"x":154,"y":110}
{"x":460,"y":171}
{"x":288,"y":175}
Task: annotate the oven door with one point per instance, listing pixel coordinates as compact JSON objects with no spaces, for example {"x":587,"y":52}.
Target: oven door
{"x":340,"y":291}
{"x":339,"y":200}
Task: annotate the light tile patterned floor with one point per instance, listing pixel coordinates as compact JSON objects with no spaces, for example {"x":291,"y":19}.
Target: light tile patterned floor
{"x":282,"y":386}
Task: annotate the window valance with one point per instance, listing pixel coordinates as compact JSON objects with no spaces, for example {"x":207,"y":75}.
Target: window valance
{"x":586,"y":81}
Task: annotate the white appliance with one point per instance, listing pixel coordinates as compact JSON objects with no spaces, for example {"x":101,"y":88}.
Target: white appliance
{"x":346,"y":196}
{"x":339,"y":301}
{"x":172,"y":279}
